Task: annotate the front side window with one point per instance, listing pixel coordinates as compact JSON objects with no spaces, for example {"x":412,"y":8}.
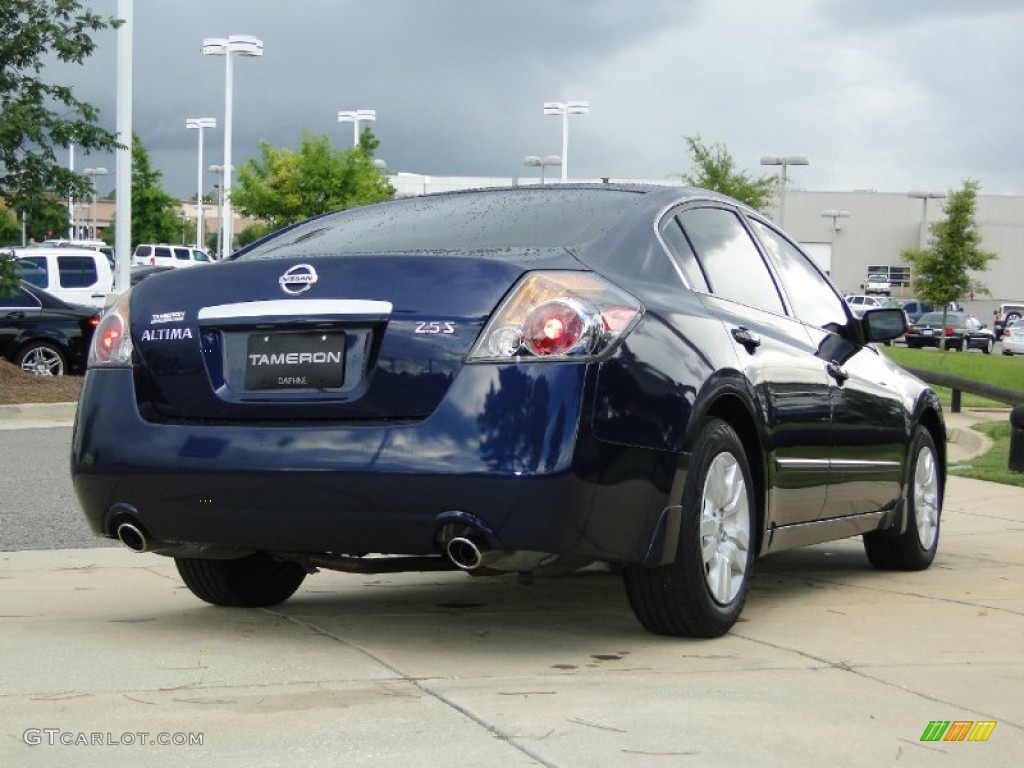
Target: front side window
{"x":77,"y":271}
{"x":731,"y":261}
{"x":810,"y":294}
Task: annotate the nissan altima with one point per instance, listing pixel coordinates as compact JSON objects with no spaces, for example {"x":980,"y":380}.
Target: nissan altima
{"x":507,"y":380}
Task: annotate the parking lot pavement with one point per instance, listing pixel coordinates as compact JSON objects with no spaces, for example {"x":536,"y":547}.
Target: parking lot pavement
{"x":833,"y":663}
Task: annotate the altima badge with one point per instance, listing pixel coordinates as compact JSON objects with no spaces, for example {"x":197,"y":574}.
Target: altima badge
{"x":298,"y":279}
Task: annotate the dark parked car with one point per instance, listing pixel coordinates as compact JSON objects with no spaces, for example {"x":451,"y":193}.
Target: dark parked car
{"x":496,"y":380}
{"x":42,"y":334}
{"x":914,"y":308}
{"x":958,"y":330}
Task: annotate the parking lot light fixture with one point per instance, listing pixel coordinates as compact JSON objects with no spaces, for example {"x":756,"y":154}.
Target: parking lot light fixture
{"x":564,"y":109}
{"x":534,"y":161}
{"x":92,"y":173}
{"x":199,"y":124}
{"x":356,"y":116}
{"x":229,"y":47}
{"x":784,"y":161}
{"x":925,"y":197}
{"x":835,"y":216}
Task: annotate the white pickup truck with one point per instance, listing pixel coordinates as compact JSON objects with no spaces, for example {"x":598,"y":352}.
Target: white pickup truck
{"x":878,"y":284}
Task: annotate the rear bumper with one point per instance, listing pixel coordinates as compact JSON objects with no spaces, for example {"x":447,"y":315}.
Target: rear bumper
{"x":534,"y":477}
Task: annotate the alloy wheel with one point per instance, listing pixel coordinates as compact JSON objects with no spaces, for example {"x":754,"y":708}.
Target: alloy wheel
{"x":725,"y":528}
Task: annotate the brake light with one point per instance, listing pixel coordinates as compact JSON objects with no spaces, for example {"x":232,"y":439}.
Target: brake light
{"x":111,"y":343}
{"x":949,"y":332}
{"x":557,"y":316}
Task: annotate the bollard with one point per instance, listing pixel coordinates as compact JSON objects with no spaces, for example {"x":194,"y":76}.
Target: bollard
{"x":1016,"y":460}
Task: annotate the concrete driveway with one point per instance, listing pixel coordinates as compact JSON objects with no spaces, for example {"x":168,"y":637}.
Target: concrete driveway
{"x":833,"y":663}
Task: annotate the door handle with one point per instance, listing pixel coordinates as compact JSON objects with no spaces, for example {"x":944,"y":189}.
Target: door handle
{"x":744,"y":336}
{"x":837,"y":372}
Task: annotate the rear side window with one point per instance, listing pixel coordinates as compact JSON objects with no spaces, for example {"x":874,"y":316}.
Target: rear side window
{"x":682,"y":254}
{"x":77,"y":271}
{"x":181,"y":254}
{"x":731,"y":261}
{"x":813,"y":300}
{"x":163,"y":252}
{"x":18,"y":298}
{"x":35,"y":271}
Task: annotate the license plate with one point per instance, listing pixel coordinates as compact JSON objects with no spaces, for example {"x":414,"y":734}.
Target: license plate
{"x":290,"y":360}
{"x":927,"y":332}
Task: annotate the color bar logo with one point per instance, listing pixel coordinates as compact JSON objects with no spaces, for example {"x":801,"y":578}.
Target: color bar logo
{"x":958,"y":730}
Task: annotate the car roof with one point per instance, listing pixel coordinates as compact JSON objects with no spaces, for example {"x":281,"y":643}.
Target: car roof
{"x":54,"y":250}
{"x":493,"y":220}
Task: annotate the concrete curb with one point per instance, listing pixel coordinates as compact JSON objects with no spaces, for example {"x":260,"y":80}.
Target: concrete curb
{"x":38,"y":412}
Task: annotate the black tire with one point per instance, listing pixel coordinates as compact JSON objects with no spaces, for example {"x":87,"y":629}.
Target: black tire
{"x":677,"y":599}
{"x":42,"y":358}
{"x":911,"y":345}
{"x":254,"y":581}
{"x":915,"y":548}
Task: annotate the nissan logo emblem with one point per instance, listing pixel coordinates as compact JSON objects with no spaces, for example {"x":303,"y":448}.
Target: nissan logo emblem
{"x":298,"y":279}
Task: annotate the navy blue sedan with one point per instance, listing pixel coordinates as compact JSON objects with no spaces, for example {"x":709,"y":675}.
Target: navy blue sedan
{"x":504,"y":381}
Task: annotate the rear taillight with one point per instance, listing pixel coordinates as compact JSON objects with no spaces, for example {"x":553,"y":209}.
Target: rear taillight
{"x":111,"y":343}
{"x":557,"y":316}
{"x":949,"y":332}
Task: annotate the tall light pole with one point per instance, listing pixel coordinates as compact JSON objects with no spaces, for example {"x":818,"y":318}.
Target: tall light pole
{"x":925,"y":197}
{"x":199,"y":123}
{"x":229,"y":47}
{"x":92,"y":173}
{"x":542,"y":162}
{"x":566,"y":108}
{"x":785,"y":161}
{"x":123,"y":158}
{"x":219,"y":170}
{"x":356,"y":116}
{"x":71,"y":196}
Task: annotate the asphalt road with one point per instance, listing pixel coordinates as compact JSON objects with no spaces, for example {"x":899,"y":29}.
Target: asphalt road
{"x":38,"y":508}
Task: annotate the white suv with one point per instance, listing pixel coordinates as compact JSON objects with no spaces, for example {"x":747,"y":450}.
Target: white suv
{"x":170,"y":255}
{"x":75,"y":275}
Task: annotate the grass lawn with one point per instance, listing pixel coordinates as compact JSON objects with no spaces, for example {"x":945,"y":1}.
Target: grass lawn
{"x":997,"y":370}
{"x":991,"y":466}
{"x":1000,"y":371}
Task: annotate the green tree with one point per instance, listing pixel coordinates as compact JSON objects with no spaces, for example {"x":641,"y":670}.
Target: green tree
{"x":252,"y":233}
{"x":36,"y":117}
{"x":154,"y":219}
{"x":715,"y":169}
{"x":942,"y":271}
{"x":281,"y":186}
{"x":10,"y":227}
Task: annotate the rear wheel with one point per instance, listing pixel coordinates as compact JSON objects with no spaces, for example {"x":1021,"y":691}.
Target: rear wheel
{"x":41,"y":359}
{"x":914,"y":549}
{"x":990,"y":344}
{"x":702,"y":592}
{"x":249,"y":582}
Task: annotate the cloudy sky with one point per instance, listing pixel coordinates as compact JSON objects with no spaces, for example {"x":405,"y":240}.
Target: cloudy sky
{"x":878,"y":94}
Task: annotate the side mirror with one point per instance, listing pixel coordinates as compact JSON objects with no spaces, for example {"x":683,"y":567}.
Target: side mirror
{"x":884,"y":324}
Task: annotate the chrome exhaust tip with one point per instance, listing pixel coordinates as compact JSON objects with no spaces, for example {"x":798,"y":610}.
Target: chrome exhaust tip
{"x":464,"y":553}
{"x":132,"y":537}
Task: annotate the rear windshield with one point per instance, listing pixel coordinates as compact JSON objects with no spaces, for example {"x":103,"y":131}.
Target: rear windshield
{"x":480,"y":221}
